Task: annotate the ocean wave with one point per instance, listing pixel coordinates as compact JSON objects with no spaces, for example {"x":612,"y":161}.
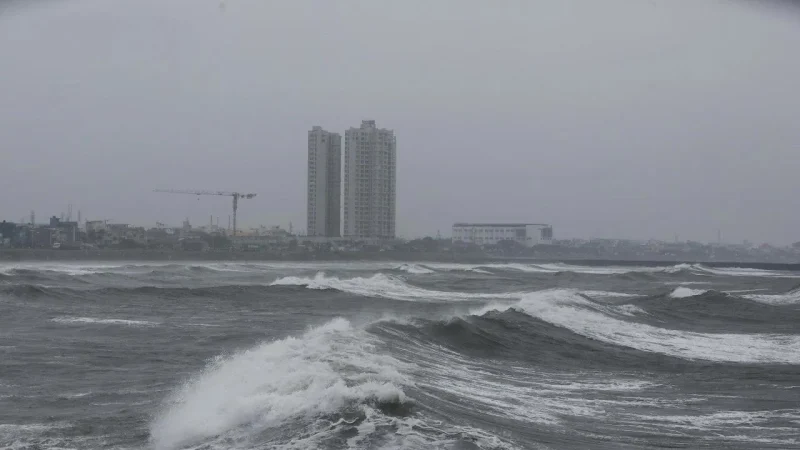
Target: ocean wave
{"x":715,"y":311}
{"x":386,"y":286}
{"x":98,"y":321}
{"x":330,"y":370}
{"x":568,"y":309}
{"x":790,"y":298}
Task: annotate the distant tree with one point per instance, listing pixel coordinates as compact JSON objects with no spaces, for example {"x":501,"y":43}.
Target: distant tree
{"x":796,"y":245}
{"x":430,"y":244}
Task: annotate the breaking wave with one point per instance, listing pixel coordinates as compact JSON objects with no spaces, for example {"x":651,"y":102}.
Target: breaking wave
{"x":790,"y":298}
{"x":343,"y":386}
{"x":329,"y":386}
{"x":568,"y":309}
{"x":387,"y":286}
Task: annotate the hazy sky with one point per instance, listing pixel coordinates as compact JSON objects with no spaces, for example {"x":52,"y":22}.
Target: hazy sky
{"x":613,"y":118}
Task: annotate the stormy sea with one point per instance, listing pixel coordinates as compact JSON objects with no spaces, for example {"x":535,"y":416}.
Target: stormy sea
{"x":397,"y":356}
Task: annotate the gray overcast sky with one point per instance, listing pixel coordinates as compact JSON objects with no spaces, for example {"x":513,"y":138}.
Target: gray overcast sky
{"x":613,"y":118}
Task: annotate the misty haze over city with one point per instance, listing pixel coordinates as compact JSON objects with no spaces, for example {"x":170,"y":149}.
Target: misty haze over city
{"x":621,"y":118}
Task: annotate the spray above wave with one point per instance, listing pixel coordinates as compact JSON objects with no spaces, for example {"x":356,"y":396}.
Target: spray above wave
{"x":386,"y":286}
{"x":568,"y":309}
{"x":328,"y":370}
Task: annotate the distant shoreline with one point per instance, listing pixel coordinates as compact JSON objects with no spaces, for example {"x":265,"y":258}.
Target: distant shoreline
{"x":38,"y":255}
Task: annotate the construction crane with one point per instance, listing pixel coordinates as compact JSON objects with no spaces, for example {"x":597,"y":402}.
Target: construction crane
{"x":236,"y":196}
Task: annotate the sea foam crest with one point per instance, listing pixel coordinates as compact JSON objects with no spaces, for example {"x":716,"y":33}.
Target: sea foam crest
{"x":568,"y":309}
{"x":743,"y":272}
{"x":387,"y":286}
{"x":323,"y":371}
{"x":685,"y":292}
{"x":415,"y":269}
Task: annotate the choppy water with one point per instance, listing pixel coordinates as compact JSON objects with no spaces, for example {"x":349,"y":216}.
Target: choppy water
{"x":366,"y":355}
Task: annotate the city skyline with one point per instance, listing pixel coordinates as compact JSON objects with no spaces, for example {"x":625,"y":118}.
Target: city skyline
{"x":558,"y":116}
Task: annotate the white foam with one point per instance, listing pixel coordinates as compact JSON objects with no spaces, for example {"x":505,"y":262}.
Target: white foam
{"x":561,"y":267}
{"x":74,"y":395}
{"x":565,"y":308}
{"x":678,"y":268}
{"x":685,"y":292}
{"x":744,"y":272}
{"x":521,"y":393}
{"x":93,"y":320}
{"x":387,"y":286}
{"x":323,"y":371}
{"x":609,"y":294}
{"x":31,"y":427}
{"x":453,"y":267}
{"x":789,"y":298}
{"x":630,"y":310}
{"x":77,"y":269}
{"x":529,"y":268}
{"x":415,"y":269}
{"x":742,"y":291}
{"x":610,"y":270}
{"x":725,"y":418}
{"x":598,"y":270}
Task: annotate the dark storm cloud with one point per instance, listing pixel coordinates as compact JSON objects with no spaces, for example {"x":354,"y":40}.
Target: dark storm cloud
{"x":619,"y":118}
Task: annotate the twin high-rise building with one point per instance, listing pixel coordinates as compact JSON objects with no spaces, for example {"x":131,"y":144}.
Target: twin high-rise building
{"x":324,"y":182}
{"x":370,"y":171}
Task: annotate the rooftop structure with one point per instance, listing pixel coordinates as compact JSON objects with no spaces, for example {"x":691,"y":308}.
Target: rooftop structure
{"x":527,"y":234}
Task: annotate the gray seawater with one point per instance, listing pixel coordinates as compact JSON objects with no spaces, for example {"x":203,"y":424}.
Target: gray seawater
{"x":391,"y":355}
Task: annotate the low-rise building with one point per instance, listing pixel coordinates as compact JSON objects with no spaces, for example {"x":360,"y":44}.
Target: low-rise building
{"x":8,"y":232}
{"x":527,"y":234}
{"x":41,"y":237}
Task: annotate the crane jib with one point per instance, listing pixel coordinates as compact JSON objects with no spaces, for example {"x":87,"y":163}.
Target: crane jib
{"x":235,"y":195}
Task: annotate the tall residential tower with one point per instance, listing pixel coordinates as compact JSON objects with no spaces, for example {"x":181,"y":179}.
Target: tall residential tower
{"x":369,"y":182}
{"x":324,"y":183}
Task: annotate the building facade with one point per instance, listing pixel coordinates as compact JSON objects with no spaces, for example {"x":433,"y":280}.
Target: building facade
{"x":324,"y":183}
{"x":527,"y":234}
{"x":370,"y":168}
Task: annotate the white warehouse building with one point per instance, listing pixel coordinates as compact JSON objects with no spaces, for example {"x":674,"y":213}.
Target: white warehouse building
{"x":527,"y":234}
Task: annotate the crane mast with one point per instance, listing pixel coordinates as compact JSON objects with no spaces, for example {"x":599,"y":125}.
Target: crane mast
{"x":236,"y":196}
